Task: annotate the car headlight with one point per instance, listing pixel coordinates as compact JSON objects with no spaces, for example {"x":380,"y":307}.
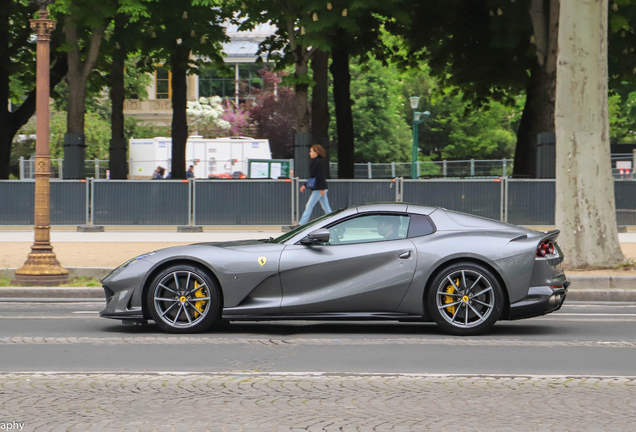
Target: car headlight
{"x":127,"y":263}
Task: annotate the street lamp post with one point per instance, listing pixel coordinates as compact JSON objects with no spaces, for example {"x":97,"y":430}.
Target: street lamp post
{"x":42,"y":267}
{"x":415,"y":101}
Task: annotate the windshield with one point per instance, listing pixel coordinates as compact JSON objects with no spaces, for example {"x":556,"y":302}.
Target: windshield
{"x":295,"y":231}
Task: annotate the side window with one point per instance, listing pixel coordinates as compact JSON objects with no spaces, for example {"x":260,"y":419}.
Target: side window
{"x":372,"y":228}
{"x":420,"y":226}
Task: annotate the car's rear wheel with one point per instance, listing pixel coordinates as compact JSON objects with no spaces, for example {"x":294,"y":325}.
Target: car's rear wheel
{"x":183,"y":299}
{"x":465,"y":299}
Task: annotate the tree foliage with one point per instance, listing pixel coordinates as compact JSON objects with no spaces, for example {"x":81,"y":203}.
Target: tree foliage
{"x":381,"y":132}
{"x":456,"y":128}
{"x":274,"y":114}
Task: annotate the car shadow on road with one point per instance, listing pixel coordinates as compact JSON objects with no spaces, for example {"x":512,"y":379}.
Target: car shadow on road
{"x":340,"y":329}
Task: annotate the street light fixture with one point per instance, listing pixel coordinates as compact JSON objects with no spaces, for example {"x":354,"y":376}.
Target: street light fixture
{"x":42,"y":267}
{"x":417,"y":119}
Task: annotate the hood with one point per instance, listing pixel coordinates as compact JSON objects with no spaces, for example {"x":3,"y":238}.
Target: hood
{"x":235,"y":243}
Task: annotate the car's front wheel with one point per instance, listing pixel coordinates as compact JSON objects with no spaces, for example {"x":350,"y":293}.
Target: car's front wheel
{"x":183,"y":299}
{"x":465,"y":299}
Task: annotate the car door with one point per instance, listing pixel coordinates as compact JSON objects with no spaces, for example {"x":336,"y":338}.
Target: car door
{"x":363,"y":268}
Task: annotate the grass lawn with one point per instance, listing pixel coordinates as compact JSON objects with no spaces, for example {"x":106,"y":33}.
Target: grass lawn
{"x":74,"y":282}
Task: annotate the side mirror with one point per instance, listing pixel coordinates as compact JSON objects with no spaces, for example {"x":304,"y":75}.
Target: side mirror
{"x":321,"y":235}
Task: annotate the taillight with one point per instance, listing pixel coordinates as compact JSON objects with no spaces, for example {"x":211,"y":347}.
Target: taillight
{"x":545,"y":248}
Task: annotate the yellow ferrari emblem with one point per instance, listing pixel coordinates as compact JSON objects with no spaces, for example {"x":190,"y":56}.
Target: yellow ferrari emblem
{"x":262,"y":261}
{"x":465,"y":299}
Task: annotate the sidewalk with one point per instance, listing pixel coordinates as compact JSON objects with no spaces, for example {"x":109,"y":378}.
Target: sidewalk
{"x":95,"y":254}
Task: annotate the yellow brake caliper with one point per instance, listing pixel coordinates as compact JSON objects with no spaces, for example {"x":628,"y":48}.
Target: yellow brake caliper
{"x":448,"y":299}
{"x":198,"y":293}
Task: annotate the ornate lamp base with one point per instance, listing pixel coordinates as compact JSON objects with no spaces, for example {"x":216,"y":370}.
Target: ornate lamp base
{"x":41,"y":269}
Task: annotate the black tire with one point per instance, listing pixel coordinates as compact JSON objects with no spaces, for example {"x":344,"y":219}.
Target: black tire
{"x":184,"y":299}
{"x":465,"y":299}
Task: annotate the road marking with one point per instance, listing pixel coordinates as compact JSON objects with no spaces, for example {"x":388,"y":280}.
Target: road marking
{"x":86,"y":312}
{"x":20,"y":317}
{"x":597,"y":314}
{"x":301,"y":342}
{"x":242,"y":373}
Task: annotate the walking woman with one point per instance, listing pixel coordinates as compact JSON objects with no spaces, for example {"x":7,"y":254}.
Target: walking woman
{"x":317,"y":182}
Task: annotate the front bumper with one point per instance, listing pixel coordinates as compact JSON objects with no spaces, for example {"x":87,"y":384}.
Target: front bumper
{"x":540,"y":300}
{"x":123,"y":290}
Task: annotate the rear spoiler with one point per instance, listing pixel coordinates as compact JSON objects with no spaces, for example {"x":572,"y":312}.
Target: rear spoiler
{"x":550,"y":235}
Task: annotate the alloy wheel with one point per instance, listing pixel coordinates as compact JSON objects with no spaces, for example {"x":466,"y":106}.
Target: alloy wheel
{"x":182,"y":299}
{"x":465,"y":298}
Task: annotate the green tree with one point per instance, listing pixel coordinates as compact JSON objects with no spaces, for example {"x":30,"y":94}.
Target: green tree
{"x":84,"y":24}
{"x":345,"y":28}
{"x":456,"y":129}
{"x":17,"y":72}
{"x":483,"y":132}
{"x":622,"y":118}
{"x":381,"y":133}
{"x":184,"y":35}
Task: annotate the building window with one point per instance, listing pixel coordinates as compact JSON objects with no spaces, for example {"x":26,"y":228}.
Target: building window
{"x":163,"y":82}
{"x":213,"y":83}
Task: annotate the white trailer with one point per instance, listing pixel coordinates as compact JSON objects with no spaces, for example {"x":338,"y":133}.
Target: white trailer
{"x":209,"y":156}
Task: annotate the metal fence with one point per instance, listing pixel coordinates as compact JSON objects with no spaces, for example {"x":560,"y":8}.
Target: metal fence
{"x":437,"y":169}
{"x":456,"y":169}
{"x":69,"y":202}
{"x":140,"y":202}
{"x":530,"y":202}
{"x":344,"y":193}
{"x":93,"y":168}
{"x":279,"y":202}
{"x":243,"y":202}
{"x":479,"y":197}
{"x":97,"y":168}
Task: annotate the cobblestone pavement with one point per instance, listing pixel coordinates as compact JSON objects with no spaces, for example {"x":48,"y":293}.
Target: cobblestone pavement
{"x":315,"y":402}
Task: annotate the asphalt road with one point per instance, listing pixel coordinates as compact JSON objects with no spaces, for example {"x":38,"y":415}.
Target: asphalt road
{"x":62,"y":368}
{"x":581,"y":339}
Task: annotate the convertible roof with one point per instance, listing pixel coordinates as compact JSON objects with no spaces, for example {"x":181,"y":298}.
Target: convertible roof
{"x":397,"y":206}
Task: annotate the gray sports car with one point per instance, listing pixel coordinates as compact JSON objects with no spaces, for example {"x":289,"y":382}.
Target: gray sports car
{"x":392,"y":261}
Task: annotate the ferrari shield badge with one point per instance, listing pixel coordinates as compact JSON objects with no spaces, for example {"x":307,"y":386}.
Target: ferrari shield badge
{"x":262,"y":261}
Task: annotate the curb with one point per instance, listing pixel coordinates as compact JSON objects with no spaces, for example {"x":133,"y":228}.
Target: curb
{"x":583,"y":288}
{"x":82,"y":293}
{"x":95,"y":272}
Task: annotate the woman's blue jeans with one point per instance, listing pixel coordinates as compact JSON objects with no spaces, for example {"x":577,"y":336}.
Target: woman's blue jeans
{"x":313,"y":199}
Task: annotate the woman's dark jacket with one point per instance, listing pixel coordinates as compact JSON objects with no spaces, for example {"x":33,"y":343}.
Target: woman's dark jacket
{"x":318,"y":169}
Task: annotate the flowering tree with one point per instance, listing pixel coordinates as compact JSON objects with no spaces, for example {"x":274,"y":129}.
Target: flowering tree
{"x":207,"y":112}
{"x":274,"y":113}
{"x":237,"y":118}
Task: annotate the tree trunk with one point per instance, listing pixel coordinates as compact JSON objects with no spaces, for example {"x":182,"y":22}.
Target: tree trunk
{"x":537,"y":117}
{"x":344,"y":118}
{"x":5,"y":65}
{"x":6,"y":137}
{"x":78,"y":72}
{"x":320,"y":100}
{"x":585,"y":208}
{"x":117,"y":153}
{"x":538,"y":112}
{"x":178,"y":62}
{"x":301,"y":97}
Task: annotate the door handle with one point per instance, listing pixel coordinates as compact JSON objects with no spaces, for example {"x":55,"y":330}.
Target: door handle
{"x":405,"y":255}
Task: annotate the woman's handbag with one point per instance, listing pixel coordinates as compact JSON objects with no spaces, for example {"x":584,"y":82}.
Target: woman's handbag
{"x":311,"y":183}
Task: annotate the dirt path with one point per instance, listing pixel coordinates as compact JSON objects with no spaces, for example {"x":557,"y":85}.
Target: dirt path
{"x":70,"y":254}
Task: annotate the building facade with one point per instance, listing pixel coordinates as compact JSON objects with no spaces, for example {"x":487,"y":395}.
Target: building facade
{"x":240,"y":55}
